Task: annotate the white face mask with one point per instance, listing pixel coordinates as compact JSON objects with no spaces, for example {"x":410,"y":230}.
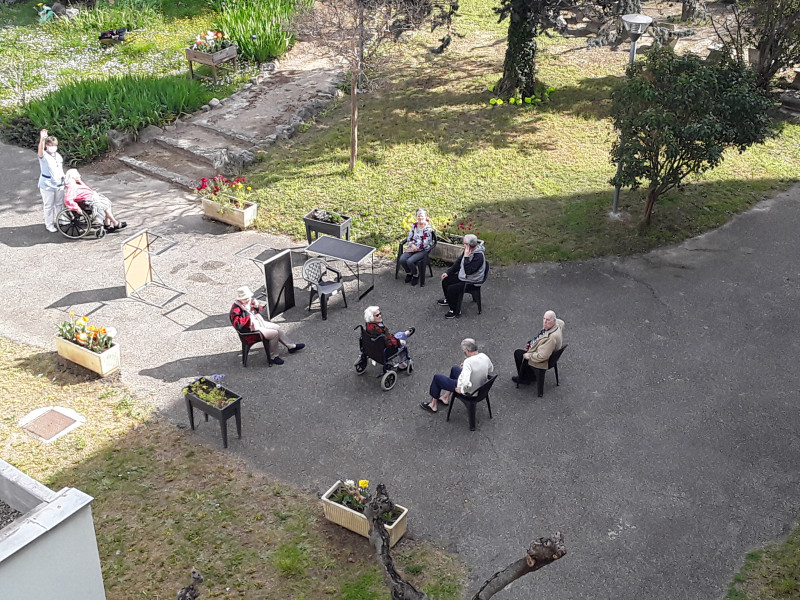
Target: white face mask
{"x":51,"y":149}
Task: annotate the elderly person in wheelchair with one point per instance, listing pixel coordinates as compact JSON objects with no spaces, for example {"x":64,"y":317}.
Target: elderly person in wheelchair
{"x":380,"y":346}
{"x":246,"y":316}
{"x":375,"y":328}
{"x":76,"y":192}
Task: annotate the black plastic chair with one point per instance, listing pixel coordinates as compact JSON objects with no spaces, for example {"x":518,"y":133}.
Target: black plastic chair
{"x":422,"y":265}
{"x":375,"y":349}
{"x":250,"y":339}
{"x":314,"y":271}
{"x":552,"y":363}
{"x":474,"y":289}
{"x":482,"y":393}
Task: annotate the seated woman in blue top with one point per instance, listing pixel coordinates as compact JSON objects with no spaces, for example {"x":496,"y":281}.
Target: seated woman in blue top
{"x":418,"y":244}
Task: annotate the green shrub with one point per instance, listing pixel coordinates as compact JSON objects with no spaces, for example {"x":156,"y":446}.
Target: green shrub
{"x":81,"y":113}
{"x":257,"y":27}
{"x":112,"y":14}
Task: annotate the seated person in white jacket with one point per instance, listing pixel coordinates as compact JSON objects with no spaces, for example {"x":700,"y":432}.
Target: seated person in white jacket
{"x":464,"y":379}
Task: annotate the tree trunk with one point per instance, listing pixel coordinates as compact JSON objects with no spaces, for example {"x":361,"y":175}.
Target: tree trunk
{"x":519,"y":67}
{"x":689,"y":10}
{"x":652,"y":196}
{"x":353,"y":119}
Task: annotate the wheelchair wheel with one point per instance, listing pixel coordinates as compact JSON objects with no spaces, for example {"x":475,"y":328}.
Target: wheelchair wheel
{"x":101,"y":232}
{"x":388,"y":380}
{"x":73,"y":224}
{"x":361,"y":367}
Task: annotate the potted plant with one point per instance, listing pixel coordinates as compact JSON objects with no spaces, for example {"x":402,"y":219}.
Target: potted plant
{"x":208,"y":395}
{"x":344,"y":502}
{"x":450,"y":237}
{"x":91,"y":347}
{"x":326,"y":222}
{"x":224,"y":200}
{"x":211,"y":48}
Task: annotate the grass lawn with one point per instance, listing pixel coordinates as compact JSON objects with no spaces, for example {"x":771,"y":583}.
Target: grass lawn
{"x":534,"y":180}
{"x":770,"y":574}
{"x":164,"y":503}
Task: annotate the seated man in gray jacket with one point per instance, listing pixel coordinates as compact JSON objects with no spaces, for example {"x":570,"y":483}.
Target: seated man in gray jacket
{"x":469,"y":268}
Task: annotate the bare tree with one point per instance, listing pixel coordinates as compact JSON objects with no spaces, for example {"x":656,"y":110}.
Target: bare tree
{"x":541,"y":553}
{"x":353,"y":31}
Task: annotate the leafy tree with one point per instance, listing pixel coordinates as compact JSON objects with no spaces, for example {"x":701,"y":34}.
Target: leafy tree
{"x":770,"y":26}
{"x":528,"y":18}
{"x":677,"y":115}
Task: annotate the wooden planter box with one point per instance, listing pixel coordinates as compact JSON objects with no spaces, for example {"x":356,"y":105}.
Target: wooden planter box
{"x":233,"y":409}
{"x":448,"y":252}
{"x":102,"y":364}
{"x":238,"y":217}
{"x":212,"y":59}
{"x":339,"y":230}
{"x":355,"y":521}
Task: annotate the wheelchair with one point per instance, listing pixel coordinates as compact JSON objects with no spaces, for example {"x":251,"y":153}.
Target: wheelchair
{"x":375,"y":350}
{"x":76,"y":224}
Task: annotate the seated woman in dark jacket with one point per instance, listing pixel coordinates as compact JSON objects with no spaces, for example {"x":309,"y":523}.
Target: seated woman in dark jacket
{"x":246,"y":316}
{"x":469,"y":268}
{"x":375,"y":328}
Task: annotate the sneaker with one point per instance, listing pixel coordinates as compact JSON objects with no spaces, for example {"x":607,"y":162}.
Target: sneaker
{"x":408,"y":278}
{"x":52,"y":229}
{"x":410,"y":331}
{"x":414,"y":280}
{"x":450,"y":315}
{"x":442,"y":302}
{"x":277,"y":360}
{"x":296,"y":348}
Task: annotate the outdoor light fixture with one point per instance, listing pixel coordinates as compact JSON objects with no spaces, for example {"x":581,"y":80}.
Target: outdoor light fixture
{"x":636,"y":25}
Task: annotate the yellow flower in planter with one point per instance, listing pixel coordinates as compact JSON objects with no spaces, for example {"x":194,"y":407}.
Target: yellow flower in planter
{"x":363,"y":483}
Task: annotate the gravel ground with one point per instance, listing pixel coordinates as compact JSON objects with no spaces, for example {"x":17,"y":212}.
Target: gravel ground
{"x":7,"y":514}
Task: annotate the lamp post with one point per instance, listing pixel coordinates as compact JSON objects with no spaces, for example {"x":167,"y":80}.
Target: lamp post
{"x":636,"y":25}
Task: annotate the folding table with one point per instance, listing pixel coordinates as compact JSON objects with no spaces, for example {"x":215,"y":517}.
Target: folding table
{"x":350,"y":253}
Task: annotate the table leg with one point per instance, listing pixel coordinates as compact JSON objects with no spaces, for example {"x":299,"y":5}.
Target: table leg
{"x":190,"y":410}
{"x":238,"y":416}
{"x":223,"y":423}
{"x":191,"y":72}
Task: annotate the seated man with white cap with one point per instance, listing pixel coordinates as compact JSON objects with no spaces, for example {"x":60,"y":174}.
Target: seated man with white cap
{"x":246,"y":316}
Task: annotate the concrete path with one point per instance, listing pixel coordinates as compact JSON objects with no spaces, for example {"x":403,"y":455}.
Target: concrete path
{"x":670,"y":449}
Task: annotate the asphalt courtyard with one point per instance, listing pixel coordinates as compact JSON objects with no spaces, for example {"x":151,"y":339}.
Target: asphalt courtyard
{"x":670,"y":449}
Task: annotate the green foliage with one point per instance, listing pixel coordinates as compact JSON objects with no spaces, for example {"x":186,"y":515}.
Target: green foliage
{"x":80,"y":114}
{"x":108,"y":14}
{"x":770,"y":574}
{"x":678,"y":114}
{"x":257,"y":27}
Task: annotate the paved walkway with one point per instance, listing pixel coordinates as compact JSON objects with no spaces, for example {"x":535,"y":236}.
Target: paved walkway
{"x":669,"y":450}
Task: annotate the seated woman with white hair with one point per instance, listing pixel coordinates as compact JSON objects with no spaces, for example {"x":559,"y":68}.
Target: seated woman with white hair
{"x":76,"y":191}
{"x":418,"y":244}
{"x":375,"y":328}
{"x":246,"y":316}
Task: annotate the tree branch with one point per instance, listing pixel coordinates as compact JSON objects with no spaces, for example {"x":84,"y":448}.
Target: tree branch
{"x":542,"y":552}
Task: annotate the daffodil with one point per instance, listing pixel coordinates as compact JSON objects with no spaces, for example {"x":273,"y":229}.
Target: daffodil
{"x":363,"y":483}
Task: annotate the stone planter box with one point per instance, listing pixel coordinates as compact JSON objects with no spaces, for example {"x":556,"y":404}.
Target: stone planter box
{"x":102,"y":364}
{"x":339,"y":230}
{"x":238,"y":217}
{"x":212,"y":59}
{"x":233,"y":409}
{"x":355,"y":521}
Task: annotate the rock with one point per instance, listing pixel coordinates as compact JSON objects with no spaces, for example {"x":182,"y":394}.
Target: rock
{"x":118,"y":139}
{"x":170,"y":128}
{"x":71,"y":13}
{"x":247,"y":86}
{"x":205,"y":108}
{"x":268,"y":67}
{"x":150,"y":132}
{"x":59,"y":9}
{"x":791,"y":99}
{"x":214,"y":102}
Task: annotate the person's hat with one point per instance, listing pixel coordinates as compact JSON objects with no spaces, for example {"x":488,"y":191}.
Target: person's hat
{"x":244,"y":293}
